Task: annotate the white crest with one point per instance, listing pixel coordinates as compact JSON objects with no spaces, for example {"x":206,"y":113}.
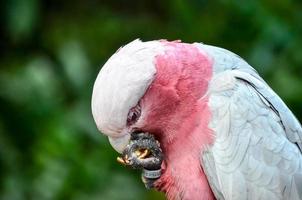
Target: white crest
{"x":121,"y":82}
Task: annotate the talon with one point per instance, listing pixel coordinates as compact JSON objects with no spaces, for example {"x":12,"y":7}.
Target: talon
{"x":144,"y":154}
{"x":141,"y":154}
{"x":138,"y":153}
{"x":121,"y":160}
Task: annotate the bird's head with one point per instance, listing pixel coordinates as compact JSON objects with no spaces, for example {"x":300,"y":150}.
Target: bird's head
{"x":152,"y":87}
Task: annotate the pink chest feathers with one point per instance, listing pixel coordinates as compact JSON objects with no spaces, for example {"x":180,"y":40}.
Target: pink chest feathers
{"x":178,"y":112}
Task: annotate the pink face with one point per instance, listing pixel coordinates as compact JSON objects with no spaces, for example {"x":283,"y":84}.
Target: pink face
{"x":182,"y":76}
{"x":166,"y":78}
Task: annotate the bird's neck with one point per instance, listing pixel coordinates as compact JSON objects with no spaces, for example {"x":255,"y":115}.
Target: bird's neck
{"x":183,"y":176}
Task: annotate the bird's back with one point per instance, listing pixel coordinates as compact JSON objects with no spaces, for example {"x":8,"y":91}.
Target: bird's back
{"x":257,"y":148}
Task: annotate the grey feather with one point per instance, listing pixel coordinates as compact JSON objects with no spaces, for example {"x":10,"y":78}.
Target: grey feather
{"x":258,"y":141}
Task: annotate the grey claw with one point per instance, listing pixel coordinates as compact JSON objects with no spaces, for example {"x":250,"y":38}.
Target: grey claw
{"x":150,"y":163}
{"x":141,"y":141}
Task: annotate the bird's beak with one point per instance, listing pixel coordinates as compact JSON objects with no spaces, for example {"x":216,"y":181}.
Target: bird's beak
{"x":119,"y":143}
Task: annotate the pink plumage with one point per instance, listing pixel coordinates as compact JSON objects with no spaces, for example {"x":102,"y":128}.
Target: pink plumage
{"x":177,"y":84}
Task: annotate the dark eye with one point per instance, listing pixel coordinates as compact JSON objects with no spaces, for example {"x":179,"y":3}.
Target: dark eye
{"x":133,"y":115}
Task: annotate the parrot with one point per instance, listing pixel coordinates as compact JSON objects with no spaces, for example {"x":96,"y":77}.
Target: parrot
{"x":200,"y":121}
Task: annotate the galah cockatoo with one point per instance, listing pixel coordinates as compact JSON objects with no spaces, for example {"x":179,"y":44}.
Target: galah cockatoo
{"x":223,"y":132}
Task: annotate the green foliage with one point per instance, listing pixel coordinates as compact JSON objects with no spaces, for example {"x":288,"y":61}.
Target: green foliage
{"x":51,"y":52}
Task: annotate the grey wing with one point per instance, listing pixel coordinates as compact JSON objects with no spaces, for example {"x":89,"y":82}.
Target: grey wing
{"x":257,"y":148}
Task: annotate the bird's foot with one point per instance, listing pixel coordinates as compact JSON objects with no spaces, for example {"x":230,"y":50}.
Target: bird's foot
{"x":144,"y":152}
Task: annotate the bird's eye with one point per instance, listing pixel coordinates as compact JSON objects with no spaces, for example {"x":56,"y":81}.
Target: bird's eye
{"x":133,"y":115}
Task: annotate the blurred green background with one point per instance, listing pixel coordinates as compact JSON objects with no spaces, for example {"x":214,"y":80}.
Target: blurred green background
{"x":52,"y":50}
